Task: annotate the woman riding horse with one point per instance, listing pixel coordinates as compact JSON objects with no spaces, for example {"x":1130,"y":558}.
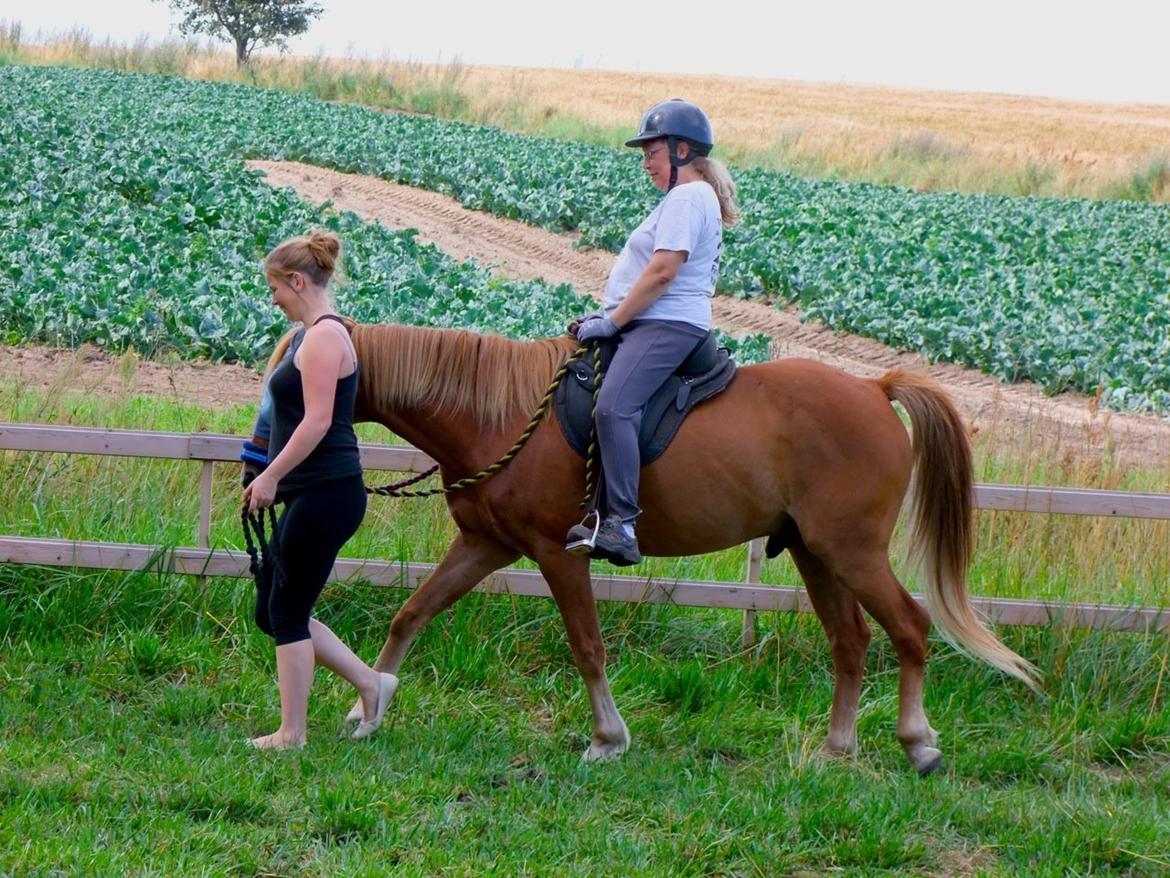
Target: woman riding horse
{"x":657,"y":306}
{"x":818,"y":462}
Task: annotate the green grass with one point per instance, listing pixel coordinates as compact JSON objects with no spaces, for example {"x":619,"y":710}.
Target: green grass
{"x":125,"y":700}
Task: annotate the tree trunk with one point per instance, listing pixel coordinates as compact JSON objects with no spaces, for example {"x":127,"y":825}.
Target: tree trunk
{"x":241,"y":54}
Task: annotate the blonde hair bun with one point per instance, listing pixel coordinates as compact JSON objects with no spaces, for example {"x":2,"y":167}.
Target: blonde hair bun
{"x":316,"y":255}
{"x":325,"y":248}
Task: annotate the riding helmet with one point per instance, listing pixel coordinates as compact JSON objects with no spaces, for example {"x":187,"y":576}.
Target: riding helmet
{"x":676,"y":119}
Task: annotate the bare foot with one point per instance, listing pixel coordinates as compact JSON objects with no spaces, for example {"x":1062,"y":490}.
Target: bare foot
{"x":277,"y":741}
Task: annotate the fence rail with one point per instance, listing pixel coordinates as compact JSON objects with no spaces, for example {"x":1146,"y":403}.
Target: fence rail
{"x":209,"y":448}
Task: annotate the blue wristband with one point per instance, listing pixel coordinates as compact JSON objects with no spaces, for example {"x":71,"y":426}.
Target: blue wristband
{"x":254,"y":454}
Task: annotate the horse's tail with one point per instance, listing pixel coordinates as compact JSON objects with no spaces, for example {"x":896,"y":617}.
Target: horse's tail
{"x":942,"y":531}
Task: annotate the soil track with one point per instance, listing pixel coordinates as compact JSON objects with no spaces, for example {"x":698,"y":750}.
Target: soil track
{"x":1069,"y":424}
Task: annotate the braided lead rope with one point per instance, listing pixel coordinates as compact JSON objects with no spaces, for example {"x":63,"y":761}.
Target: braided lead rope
{"x":492,"y":469}
{"x":394,"y":489}
{"x":253,"y":555}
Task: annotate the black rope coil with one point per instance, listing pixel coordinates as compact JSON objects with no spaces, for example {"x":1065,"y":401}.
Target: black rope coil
{"x":265,"y":555}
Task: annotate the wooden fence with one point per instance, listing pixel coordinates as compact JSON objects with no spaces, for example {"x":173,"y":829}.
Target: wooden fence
{"x":750,"y":596}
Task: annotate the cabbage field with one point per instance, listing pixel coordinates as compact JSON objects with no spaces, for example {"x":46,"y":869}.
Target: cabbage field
{"x":128,"y":219}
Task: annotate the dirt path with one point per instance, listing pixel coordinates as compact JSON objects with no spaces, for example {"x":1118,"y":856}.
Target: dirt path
{"x":1016,"y":413}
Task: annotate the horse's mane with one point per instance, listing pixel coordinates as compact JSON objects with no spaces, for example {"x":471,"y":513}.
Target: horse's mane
{"x":491,"y":377}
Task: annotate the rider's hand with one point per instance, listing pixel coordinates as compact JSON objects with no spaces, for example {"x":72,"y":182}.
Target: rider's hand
{"x":577,"y":322}
{"x":596,"y":327}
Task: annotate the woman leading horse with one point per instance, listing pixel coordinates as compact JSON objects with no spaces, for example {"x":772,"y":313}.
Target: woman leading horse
{"x":818,"y":462}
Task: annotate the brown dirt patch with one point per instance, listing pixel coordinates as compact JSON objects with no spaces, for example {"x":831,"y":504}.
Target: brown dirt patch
{"x":89,"y":370}
{"x":1019,"y":414}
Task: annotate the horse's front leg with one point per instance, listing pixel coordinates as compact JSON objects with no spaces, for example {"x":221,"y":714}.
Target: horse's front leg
{"x":568,"y":578}
{"x":468,"y":560}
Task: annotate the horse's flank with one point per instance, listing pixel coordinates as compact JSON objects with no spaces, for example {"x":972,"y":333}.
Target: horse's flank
{"x":495,"y":379}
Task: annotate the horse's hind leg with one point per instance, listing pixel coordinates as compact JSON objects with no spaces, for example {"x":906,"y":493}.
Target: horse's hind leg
{"x":568,"y":579}
{"x":873,"y":583}
{"x":468,"y":560}
{"x":848,"y":636}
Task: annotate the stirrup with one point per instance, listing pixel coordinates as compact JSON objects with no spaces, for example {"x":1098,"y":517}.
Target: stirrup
{"x":582,"y":537}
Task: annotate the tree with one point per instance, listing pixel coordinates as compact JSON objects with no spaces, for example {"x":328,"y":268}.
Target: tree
{"x":247,"y":23}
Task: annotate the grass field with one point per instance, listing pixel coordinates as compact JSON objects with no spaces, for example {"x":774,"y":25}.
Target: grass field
{"x":125,"y":701}
{"x":1002,"y":144}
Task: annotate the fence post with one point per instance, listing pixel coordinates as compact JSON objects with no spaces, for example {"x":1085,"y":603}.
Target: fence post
{"x":747,"y":638}
{"x":205,"y":512}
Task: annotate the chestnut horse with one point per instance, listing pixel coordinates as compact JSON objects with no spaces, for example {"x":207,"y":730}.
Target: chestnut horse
{"x":814,"y":459}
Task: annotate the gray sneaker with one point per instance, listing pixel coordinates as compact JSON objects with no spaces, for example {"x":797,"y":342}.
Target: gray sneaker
{"x":615,"y":545}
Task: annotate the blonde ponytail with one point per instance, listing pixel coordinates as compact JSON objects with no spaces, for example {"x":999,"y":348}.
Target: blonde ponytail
{"x":715,"y":173}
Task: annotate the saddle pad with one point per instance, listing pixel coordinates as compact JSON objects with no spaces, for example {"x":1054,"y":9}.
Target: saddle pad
{"x":663,"y":415}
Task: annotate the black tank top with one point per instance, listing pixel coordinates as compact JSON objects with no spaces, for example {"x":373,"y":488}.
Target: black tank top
{"x":336,"y":455}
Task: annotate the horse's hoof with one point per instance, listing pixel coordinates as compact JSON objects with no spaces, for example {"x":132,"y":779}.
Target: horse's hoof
{"x":842,"y":756}
{"x":604,"y":752}
{"x":928,"y":762}
{"x":839,"y":750}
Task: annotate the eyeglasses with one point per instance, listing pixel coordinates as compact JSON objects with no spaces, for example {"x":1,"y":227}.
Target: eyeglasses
{"x":650,"y":153}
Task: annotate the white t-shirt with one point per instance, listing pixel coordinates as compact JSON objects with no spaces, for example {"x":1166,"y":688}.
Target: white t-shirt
{"x":688,"y":219}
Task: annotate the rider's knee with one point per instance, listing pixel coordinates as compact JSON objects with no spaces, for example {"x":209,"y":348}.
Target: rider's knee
{"x":608,"y":415}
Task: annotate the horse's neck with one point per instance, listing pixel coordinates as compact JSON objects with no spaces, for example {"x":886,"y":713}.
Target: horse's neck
{"x":455,"y":442}
{"x":459,"y":438}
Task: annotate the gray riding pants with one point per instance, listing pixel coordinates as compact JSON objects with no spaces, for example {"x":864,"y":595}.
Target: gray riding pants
{"x":648,"y":353}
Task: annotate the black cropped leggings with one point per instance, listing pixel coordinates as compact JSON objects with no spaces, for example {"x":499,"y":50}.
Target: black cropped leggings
{"x":315,"y":524}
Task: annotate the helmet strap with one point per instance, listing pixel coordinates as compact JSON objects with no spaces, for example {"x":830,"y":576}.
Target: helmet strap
{"x":675,"y":161}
